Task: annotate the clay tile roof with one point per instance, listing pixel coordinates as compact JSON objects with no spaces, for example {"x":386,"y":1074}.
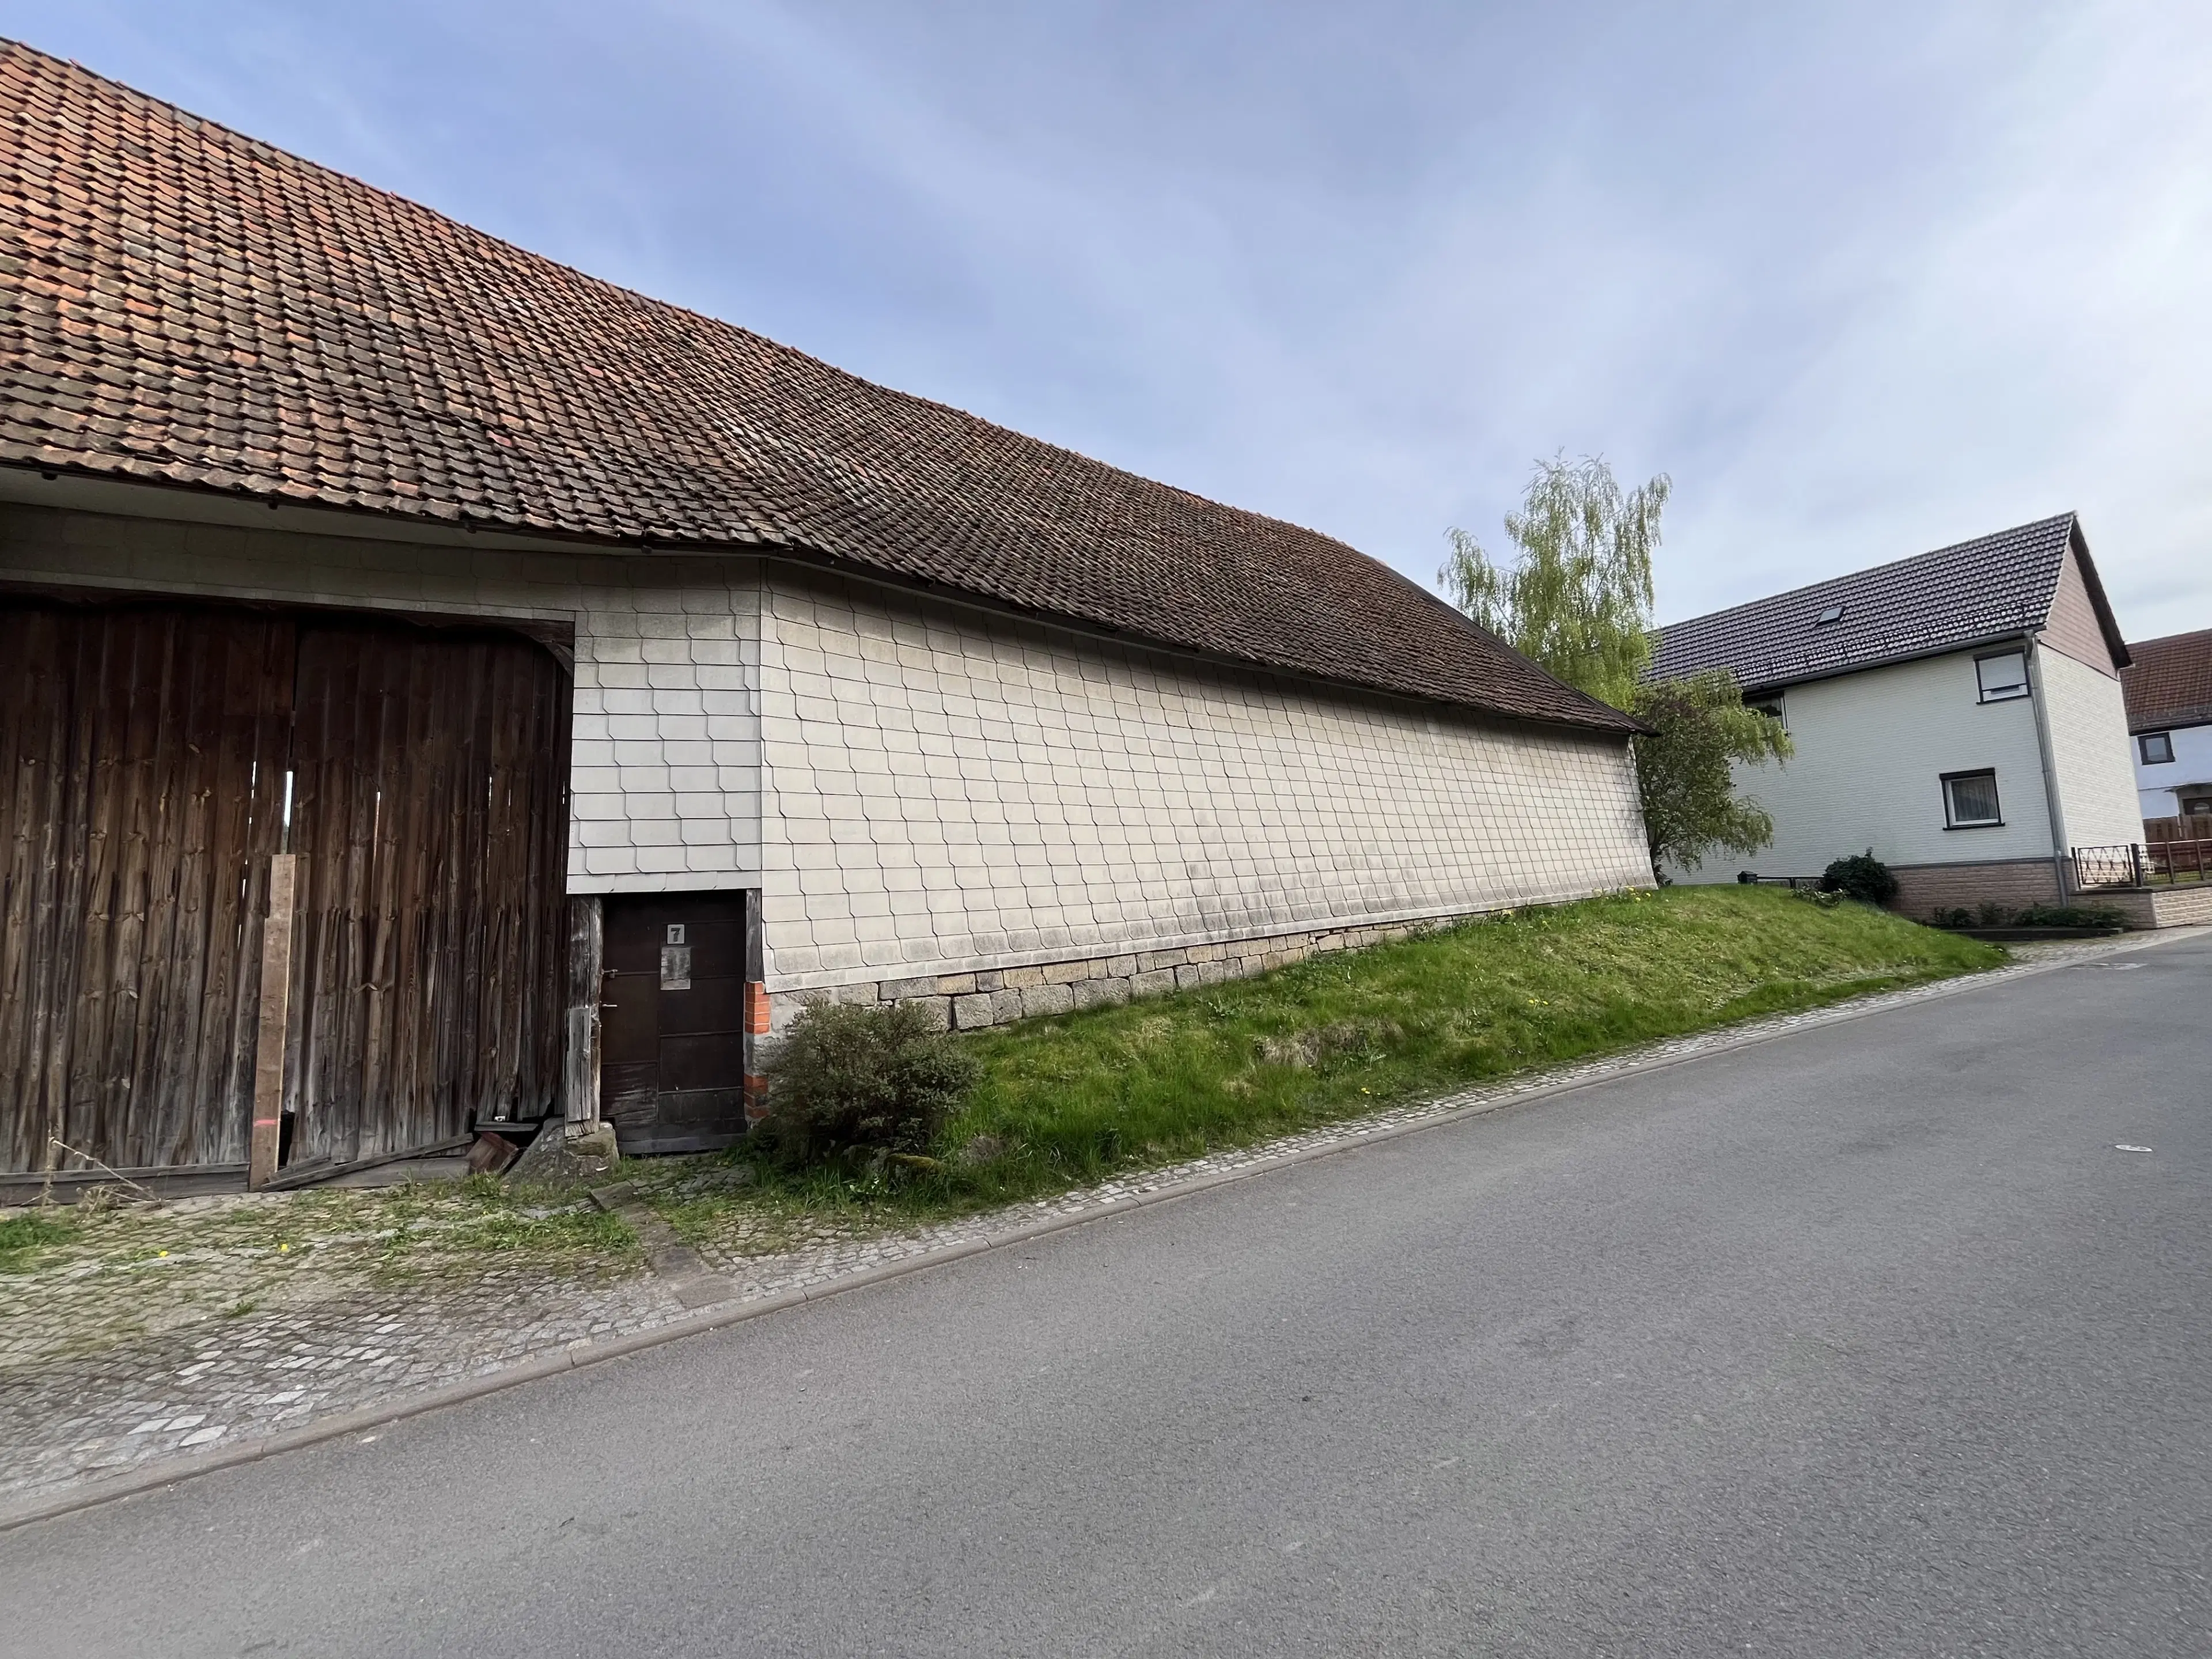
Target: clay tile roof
{"x":182,"y":305}
{"x":2171,"y":682}
{"x":1985,"y":589}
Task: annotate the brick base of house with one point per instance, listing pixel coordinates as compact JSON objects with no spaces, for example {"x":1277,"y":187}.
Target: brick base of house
{"x":2158,"y":906}
{"x":995,"y":996}
{"x":1924,"y":889}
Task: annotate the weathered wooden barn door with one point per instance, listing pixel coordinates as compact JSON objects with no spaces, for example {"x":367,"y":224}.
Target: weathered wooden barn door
{"x":431,"y":819}
{"x":142,"y":761}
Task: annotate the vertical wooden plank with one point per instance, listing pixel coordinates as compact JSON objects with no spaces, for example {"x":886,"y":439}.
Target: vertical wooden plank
{"x":165,"y":1005}
{"x":274,"y":1022}
{"x":34,"y":723}
{"x":84,"y":1013}
{"x":579,"y":1090}
{"x":116,"y":1122}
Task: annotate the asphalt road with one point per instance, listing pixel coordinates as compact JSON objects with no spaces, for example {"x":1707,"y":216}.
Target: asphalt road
{"x":1866,"y":1341}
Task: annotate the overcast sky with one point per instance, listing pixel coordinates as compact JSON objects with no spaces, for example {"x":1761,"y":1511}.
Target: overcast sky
{"x":1865,"y":279}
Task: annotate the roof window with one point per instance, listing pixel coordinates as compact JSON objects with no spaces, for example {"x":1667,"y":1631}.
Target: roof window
{"x":1834,"y":613}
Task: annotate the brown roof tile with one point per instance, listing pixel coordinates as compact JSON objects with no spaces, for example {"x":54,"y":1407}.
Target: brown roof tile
{"x":180,"y":303}
{"x":2171,"y":682}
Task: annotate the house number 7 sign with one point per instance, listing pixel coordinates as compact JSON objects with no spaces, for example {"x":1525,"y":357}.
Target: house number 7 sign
{"x":675,"y":959}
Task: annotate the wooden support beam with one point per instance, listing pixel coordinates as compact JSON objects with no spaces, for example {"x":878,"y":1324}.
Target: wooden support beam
{"x":580,"y":1070}
{"x":275,"y":1018}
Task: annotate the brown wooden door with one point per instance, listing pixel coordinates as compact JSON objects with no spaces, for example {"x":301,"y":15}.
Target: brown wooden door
{"x":142,"y":761}
{"x":145,"y":755}
{"x":673,"y":1029}
{"x":431,"y":819}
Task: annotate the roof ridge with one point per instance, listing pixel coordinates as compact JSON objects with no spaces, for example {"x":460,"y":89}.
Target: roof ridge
{"x":1878,"y":569}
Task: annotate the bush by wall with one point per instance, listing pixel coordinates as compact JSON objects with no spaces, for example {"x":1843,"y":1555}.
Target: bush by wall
{"x":1862,"y":877}
{"x":851,"y":1083}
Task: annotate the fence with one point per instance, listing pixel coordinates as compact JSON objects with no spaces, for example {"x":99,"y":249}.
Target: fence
{"x":2163,"y":863}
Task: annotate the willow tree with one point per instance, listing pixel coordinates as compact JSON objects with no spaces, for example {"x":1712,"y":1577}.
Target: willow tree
{"x":1576,"y":599}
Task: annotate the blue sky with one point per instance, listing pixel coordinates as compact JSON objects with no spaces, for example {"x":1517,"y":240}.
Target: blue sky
{"x":1865,"y":280}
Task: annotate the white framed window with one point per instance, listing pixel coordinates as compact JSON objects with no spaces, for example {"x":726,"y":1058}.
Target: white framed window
{"x":1773,"y":709}
{"x":1970,"y":800}
{"x":2156,"y":748}
{"x":2002,"y":676}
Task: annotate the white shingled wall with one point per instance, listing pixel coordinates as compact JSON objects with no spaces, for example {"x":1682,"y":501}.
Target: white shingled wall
{"x":944,"y":788}
{"x":2091,"y":752}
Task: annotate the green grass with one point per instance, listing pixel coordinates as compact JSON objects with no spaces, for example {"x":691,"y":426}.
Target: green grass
{"x":1073,"y":1099}
{"x":24,"y":1237}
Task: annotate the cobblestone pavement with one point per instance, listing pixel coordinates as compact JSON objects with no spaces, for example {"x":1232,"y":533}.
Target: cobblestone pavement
{"x":236,"y":1354}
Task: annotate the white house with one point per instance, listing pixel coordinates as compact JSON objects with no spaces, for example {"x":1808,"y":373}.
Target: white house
{"x":1959,"y":713}
{"x":2169,"y":693}
{"x":438,"y":688}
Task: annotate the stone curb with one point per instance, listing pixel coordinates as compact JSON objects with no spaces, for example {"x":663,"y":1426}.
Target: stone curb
{"x":167,"y":1473}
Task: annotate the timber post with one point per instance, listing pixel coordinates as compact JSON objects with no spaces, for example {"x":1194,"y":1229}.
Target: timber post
{"x":580,"y":1066}
{"x":274,"y":1020}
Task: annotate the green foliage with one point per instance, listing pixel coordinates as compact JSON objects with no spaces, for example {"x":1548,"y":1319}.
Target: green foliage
{"x":22,"y":1238}
{"x":1700,"y":727}
{"x":850,"y":1081}
{"x":1821,"y":897}
{"x":2069,"y":915}
{"x":1862,"y":877}
{"x":1576,"y":600}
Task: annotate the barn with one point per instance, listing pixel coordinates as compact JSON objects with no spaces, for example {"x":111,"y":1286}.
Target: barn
{"x":440,"y":689}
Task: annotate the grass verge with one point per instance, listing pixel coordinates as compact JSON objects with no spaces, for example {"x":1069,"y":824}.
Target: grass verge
{"x":1073,"y":1099}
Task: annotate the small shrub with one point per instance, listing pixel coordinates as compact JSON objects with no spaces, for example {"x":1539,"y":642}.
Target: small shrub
{"x":851,"y":1083}
{"x":1959,"y":916}
{"x":1862,"y":877}
{"x":1994,"y":914}
{"x":1820,"y":896}
{"x":2070,"y":915}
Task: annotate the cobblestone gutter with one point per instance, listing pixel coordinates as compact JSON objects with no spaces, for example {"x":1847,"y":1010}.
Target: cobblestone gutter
{"x":103,"y":1374}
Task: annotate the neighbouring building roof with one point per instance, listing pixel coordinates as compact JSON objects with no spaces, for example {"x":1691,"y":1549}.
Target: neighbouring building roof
{"x":1993,"y":587}
{"x":184,"y":306}
{"x":2170,"y":683}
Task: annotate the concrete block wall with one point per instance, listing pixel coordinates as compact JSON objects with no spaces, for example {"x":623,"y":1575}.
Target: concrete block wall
{"x":664,"y":784}
{"x":950,"y":791}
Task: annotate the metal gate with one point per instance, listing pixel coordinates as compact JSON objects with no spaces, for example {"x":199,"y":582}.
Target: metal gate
{"x":154,"y":758}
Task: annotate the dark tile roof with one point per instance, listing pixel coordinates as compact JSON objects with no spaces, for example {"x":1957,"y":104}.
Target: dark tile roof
{"x":1959,"y":596}
{"x":2170,"y":683}
{"x":182,"y":305}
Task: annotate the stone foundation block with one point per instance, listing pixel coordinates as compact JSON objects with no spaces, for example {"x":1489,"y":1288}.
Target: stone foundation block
{"x":1045,"y":999}
{"x":1155,"y":983}
{"x":972,"y":1012}
{"x":1099,"y":993}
